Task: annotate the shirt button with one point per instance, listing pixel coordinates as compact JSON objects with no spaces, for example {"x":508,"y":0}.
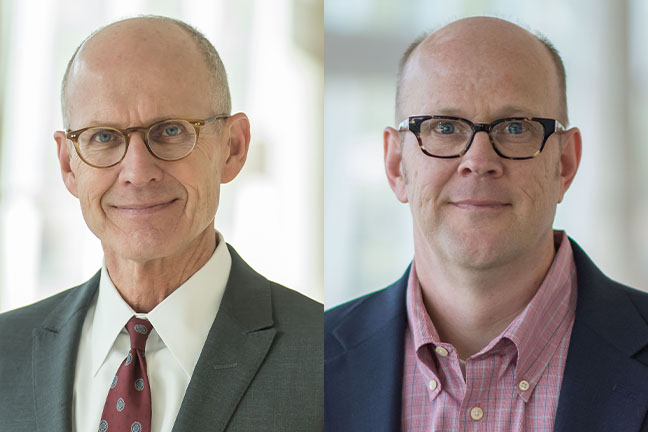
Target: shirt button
{"x":476,"y":413}
{"x":441,"y":351}
{"x":524,"y":385}
{"x":432,"y":385}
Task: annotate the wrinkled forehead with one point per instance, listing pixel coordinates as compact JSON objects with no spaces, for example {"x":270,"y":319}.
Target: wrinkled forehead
{"x":481,"y":74}
{"x":139,"y":51}
{"x":156,"y":64}
{"x":121,"y":72}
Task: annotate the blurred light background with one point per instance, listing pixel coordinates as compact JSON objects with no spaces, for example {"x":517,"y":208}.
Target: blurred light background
{"x":367,"y":231}
{"x":272,"y":213}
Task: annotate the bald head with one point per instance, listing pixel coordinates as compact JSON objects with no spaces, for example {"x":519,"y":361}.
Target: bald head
{"x":481,"y":45}
{"x":137,"y":48}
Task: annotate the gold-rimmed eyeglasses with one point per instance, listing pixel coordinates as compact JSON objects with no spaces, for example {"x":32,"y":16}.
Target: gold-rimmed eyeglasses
{"x":169,"y":140}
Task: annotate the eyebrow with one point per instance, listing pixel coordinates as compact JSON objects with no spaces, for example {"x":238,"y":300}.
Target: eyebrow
{"x":501,"y":112}
{"x":119,"y":126}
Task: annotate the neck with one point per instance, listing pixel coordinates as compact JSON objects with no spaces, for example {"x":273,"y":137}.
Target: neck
{"x":470,"y":307}
{"x":144,"y":284}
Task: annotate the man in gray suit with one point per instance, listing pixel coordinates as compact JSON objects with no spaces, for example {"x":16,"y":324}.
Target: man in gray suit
{"x":176,"y":332}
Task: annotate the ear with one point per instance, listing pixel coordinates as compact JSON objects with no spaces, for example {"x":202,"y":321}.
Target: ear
{"x":569,"y":159}
{"x":237,"y":128}
{"x":63,"y":150}
{"x":394,"y":163}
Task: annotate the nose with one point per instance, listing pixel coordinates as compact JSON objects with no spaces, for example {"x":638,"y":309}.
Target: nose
{"x":139,"y":167}
{"x":481,"y":159}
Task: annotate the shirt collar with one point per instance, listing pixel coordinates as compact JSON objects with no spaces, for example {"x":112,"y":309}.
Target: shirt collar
{"x":182,"y":320}
{"x":535,"y":332}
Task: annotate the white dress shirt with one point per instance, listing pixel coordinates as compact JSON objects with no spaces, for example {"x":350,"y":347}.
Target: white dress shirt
{"x":181,"y":324}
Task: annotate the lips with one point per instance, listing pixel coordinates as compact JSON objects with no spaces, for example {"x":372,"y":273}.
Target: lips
{"x":479,"y":204}
{"x":150,"y":206}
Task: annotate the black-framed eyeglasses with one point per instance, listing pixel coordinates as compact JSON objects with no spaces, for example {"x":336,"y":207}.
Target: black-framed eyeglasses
{"x":169,"y":140}
{"x":512,"y":138}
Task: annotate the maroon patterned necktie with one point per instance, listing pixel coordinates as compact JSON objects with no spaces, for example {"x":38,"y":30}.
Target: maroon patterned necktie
{"x":128,"y":405}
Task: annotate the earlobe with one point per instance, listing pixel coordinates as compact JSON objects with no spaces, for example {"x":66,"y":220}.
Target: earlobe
{"x":64,"y":156}
{"x":394,"y":168}
{"x":569,"y":159}
{"x":238,"y":131}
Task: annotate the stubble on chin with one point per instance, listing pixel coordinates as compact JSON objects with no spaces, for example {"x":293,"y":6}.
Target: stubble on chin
{"x":467,"y":245}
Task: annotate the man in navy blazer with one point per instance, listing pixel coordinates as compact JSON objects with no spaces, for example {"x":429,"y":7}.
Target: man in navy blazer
{"x":491,"y":286}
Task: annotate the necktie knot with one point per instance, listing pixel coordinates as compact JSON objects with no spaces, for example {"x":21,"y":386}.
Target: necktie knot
{"x":138,"y":330}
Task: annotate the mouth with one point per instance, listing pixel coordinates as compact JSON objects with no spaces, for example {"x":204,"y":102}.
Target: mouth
{"x":143,"y":208}
{"x":476,"y":204}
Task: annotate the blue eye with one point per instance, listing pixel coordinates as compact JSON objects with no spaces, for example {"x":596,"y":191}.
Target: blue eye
{"x":515,"y":128}
{"x":104,"y":137}
{"x":172,"y":131}
{"x":446,"y":128}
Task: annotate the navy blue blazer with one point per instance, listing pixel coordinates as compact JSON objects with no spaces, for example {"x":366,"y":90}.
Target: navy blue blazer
{"x":604,"y":387}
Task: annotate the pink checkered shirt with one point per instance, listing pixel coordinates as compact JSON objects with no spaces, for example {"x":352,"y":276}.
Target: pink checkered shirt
{"x":512,"y":384}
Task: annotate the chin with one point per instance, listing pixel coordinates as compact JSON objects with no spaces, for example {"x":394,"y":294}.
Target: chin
{"x":141,"y":248}
{"x":479,"y":251}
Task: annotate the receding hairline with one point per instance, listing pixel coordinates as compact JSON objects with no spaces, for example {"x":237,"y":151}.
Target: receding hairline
{"x":553,"y":53}
{"x":218,"y":76}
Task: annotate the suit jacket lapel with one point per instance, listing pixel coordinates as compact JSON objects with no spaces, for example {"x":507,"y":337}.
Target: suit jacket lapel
{"x":238,"y":342}
{"x":370,"y":340}
{"x":605,"y":380}
{"x":54,"y":348}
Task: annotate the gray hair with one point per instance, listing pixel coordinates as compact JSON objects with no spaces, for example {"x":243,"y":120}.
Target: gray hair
{"x":222,"y":103}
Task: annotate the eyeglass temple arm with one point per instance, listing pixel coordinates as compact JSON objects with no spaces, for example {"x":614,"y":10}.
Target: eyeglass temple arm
{"x":404,"y":125}
{"x":216,"y":117}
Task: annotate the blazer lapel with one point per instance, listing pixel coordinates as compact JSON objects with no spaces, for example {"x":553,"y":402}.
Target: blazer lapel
{"x":364,"y":381}
{"x":605,"y":379}
{"x":238,"y":342}
{"x":54,"y":353}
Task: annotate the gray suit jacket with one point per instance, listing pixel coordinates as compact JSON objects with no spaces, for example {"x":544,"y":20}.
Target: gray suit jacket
{"x":261,"y":368}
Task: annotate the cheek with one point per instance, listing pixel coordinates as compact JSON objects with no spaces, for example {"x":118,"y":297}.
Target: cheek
{"x":543,"y":188}
{"x":92,"y":184}
{"x":426,"y":183}
{"x":209,"y":168}
{"x":203,"y":190}
{"x":210,"y":152}
{"x":552,"y":180}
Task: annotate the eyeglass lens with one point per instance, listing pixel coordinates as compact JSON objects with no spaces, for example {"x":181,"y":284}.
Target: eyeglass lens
{"x":169,"y":140}
{"x":513,"y":138}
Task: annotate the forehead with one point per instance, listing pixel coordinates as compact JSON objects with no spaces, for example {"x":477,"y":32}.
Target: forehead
{"x":149,"y":69}
{"x":480,"y":77}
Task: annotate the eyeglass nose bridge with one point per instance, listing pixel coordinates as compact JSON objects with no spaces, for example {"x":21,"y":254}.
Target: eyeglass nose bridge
{"x":144,"y":130}
{"x":480,"y":127}
{"x":127,"y":135}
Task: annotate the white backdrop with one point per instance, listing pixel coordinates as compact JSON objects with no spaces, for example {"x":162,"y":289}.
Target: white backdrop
{"x":271,"y":213}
